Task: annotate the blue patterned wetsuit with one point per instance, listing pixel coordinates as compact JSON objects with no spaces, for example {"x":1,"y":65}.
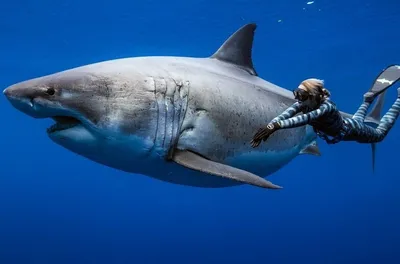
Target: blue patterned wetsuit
{"x":327,"y":121}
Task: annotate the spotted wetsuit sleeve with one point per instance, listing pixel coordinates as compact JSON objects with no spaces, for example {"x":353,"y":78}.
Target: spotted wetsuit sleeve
{"x":305,"y":119}
{"x":289,"y":112}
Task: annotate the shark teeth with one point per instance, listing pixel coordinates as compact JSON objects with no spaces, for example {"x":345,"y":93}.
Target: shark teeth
{"x":63,"y":123}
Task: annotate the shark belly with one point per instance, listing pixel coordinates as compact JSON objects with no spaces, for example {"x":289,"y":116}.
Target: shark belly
{"x":155,"y":166}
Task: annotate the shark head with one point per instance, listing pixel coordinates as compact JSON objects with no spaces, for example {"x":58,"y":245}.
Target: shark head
{"x":86,"y":118}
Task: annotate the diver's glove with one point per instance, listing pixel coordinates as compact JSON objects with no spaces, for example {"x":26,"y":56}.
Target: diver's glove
{"x":264,"y":133}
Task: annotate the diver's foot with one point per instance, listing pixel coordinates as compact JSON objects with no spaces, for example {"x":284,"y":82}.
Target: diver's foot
{"x":369,"y":97}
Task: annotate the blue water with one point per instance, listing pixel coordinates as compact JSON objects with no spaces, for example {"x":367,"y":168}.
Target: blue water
{"x":57,"y":207}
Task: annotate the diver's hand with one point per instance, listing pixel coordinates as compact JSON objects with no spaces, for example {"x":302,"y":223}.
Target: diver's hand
{"x":263,"y":134}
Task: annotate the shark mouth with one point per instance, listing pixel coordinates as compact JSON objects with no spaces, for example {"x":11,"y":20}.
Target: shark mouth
{"x":63,"y":123}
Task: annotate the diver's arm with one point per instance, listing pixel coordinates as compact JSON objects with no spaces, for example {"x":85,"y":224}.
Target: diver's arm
{"x":263,"y":133}
{"x":289,"y":112}
{"x":296,"y":121}
{"x":305,"y":119}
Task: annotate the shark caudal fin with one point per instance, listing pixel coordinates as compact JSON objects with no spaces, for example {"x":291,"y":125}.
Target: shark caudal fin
{"x":373,"y":118}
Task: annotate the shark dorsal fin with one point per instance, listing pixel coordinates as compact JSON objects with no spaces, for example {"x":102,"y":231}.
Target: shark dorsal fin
{"x":237,"y":49}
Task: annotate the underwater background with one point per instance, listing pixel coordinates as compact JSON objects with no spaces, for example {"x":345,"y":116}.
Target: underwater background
{"x":58,"y":207}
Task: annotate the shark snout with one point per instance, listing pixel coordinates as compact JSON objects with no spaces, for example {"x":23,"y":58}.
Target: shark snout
{"x":20,"y":91}
{"x":23,"y":98}
{"x":11,"y":92}
{"x":7,"y":92}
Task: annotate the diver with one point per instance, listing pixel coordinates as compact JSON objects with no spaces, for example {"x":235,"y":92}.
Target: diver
{"x":313,"y":100}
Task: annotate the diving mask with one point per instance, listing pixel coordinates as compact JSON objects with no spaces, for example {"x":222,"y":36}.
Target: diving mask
{"x":301,"y":95}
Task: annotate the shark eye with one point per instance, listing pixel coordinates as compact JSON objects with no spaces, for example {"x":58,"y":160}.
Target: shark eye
{"x":50,"y":91}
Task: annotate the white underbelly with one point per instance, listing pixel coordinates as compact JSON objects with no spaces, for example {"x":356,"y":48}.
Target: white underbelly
{"x":155,"y":166}
{"x":135,"y":157}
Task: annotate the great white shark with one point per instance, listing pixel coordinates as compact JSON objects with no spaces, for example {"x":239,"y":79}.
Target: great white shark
{"x":183,"y":120}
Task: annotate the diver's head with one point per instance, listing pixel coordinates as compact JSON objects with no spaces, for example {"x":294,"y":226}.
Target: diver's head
{"x":311,"y":92}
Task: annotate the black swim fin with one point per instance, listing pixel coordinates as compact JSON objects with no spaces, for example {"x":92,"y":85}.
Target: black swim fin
{"x":389,"y":76}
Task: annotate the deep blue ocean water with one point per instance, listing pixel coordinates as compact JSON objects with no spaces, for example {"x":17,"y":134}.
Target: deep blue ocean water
{"x":57,"y":207}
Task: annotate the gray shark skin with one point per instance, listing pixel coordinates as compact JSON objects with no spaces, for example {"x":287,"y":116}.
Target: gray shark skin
{"x":182,"y":120}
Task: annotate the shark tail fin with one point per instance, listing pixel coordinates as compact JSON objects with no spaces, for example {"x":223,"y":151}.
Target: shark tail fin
{"x":374,"y":117}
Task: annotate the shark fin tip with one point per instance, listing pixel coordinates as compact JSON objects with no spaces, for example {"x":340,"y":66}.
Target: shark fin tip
{"x":311,"y":149}
{"x":237,"y":49}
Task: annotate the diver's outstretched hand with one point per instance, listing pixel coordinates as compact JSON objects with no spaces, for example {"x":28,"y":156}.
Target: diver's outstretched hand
{"x":263,"y":134}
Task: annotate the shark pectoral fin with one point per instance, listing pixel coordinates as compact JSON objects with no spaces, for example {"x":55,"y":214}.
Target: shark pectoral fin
{"x":311,"y":149}
{"x":194,"y":161}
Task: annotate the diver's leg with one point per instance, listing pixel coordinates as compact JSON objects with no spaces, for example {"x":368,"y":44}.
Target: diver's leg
{"x":366,"y":134}
{"x":388,"y":120}
{"x":362,"y":110}
{"x":360,"y":132}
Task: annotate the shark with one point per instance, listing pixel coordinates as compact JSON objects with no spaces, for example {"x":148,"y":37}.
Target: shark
{"x":182,"y":120}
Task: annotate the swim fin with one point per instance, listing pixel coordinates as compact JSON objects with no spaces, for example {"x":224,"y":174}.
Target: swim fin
{"x":389,"y":76}
{"x":384,"y":80}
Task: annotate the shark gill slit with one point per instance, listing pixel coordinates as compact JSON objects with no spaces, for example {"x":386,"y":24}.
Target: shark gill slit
{"x":183,"y":97}
{"x":178,"y":97}
{"x":170,"y":113}
{"x":159,"y":87}
{"x":177,"y":105}
{"x":158,"y":114}
{"x":172,"y":103}
{"x":164,"y":87}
